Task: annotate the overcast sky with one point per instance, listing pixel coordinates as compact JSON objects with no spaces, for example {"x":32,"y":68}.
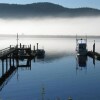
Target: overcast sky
{"x":66,"y":3}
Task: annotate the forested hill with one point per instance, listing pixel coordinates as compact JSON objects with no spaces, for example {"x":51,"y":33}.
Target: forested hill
{"x":44,"y":10}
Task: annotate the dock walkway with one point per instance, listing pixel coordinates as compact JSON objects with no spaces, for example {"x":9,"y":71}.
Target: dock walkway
{"x":94,"y":55}
{"x":12,"y":56}
{"x":16,"y":52}
{"x":7,"y":51}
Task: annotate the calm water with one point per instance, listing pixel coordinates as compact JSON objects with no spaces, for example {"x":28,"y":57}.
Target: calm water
{"x":59,"y":73}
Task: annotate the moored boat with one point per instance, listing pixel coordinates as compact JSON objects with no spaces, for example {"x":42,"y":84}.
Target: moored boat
{"x":81,"y":46}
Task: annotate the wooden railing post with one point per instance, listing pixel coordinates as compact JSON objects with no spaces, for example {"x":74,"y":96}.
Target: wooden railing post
{"x":20,"y":45}
{"x":34,"y":48}
{"x":10,"y":46}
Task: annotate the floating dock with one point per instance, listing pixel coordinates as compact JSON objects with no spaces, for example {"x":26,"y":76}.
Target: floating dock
{"x":94,"y":55}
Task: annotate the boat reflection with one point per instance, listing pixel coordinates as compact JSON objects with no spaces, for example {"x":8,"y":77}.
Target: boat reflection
{"x":81,"y":62}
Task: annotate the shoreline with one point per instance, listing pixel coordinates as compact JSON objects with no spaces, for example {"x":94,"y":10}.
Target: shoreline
{"x":49,"y":36}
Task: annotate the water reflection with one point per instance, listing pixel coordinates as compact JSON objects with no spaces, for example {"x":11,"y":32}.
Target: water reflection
{"x":11,"y":66}
{"x":52,"y":56}
{"x":81,"y":61}
{"x":14,"y":65}
{"x":57,"y":71}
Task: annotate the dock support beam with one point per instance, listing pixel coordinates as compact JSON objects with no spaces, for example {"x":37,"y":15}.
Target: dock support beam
{"x":2,"y":67}
{"x":10,"y":60}
{"x":6,"y":64}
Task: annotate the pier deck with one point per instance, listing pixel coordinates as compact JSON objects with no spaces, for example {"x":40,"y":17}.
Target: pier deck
{"x":12,"y":56}
{"x":16,"y":52}
{"x":5,"y":52}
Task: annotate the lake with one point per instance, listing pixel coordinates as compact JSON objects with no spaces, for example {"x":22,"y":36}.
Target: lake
{"x":60,"y":74}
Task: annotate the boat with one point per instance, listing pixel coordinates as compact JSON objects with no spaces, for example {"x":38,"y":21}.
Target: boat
{"x":81,"y":46}
{"x":40,"y":53}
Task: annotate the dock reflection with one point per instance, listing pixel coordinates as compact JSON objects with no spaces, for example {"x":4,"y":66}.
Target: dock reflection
{"x":11,"y":66}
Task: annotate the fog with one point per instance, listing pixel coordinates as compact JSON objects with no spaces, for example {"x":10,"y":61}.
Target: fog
{"x":51,"y":26}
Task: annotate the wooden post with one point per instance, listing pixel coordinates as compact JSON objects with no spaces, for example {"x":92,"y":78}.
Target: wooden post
{"x":6,"y":64}
{"x":17,"y":39}
{"x":10,"y":46}
{"x":10,"y":60}
{"x":94,"y":47}
{"x":30,"y":46}
{"x":37,"y":46}
{"x":20,"y":45}
{"x":2,"y":67}
{"x":34,"y":48}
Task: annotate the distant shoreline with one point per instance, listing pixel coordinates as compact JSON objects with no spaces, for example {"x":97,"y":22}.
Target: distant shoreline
{"x":49,"y":36}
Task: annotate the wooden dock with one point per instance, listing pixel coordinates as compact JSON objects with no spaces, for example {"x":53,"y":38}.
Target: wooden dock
{"x":21,"y":52}
{"x":11,"y":57}
{"x":94,"y":55}
{"x":16,"y":52}
{"x":6,"y":51}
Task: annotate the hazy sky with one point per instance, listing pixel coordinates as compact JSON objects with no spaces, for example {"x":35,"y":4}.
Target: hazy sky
{"x":66,"y":3}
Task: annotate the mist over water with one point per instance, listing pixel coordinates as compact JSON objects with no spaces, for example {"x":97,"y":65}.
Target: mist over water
{"x":51,"y":26}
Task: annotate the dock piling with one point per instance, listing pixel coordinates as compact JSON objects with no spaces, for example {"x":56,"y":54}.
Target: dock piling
{"x":94,"y":47}
{"x":20,"y":45}
{"x":2,"y":67}
{"x":37,"y":46}
{"x":34,"y":48}
{"x":30,"y":46}
{"x":23,"y":46}
{"x":6,"y":64}
{"x":10,"y":46}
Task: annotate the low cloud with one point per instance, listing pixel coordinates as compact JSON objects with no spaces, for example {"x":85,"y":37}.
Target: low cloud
{"x":51,"y":26}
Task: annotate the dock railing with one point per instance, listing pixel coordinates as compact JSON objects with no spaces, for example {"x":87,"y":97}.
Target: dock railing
{"x":7,"y":50}
{"x":23,"y":46}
